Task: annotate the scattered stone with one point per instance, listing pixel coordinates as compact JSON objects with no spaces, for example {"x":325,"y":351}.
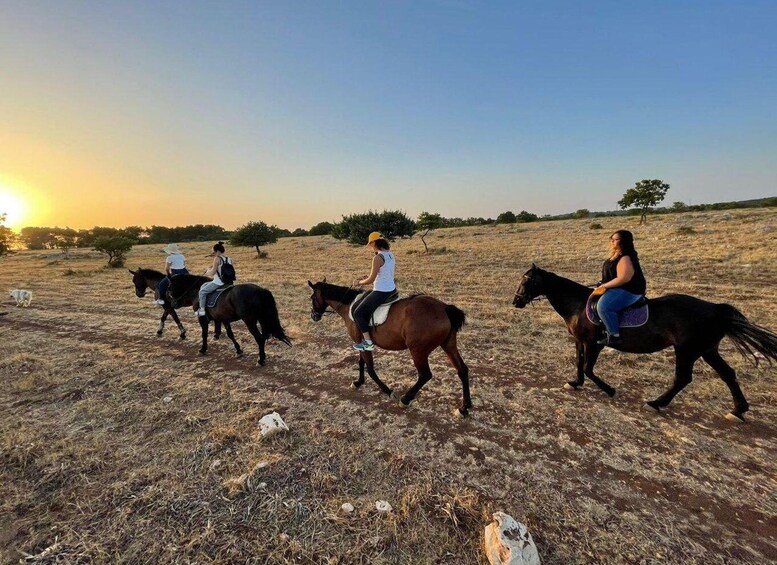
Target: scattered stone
{"x":508,"y":542}
{"x":347,"y":508}
{"x":272,"y":424}
{"x":167,"y":399}
{"x":383,"y":506}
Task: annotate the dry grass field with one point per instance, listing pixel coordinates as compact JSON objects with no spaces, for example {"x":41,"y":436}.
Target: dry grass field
{"x":117,"y":446}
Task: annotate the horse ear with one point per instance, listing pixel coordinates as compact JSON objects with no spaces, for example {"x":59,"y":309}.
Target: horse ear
{"x":310,"y":284}
{"x":533,"y":267}
{"x":324,"y":280}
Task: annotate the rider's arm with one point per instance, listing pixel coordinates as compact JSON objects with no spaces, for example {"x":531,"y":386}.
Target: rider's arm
{"x":214,"y":268}
{"x":624,"y":272}
{"x":167,"y":267}
{"x":377,"y":263}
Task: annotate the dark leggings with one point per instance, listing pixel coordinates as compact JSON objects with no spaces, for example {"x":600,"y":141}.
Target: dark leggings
{"x":364,"y":310}
{"x":165,"y":282}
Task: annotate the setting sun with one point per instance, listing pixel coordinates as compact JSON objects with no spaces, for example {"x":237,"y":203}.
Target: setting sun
{"x":14,"y":208}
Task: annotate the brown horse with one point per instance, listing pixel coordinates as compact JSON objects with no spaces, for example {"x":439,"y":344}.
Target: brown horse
{"x":248,"y":302}
{"x":149,"y":279}
{"x":419,"y":323}
{"x":692,"y":326}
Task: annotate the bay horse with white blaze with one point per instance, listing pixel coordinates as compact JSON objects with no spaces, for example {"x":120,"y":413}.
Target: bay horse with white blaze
{"x":419,"y":323}
{"x":248,"y":302}
{"x":694,"y":327}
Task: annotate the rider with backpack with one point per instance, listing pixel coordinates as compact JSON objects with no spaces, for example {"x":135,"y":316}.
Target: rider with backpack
{"x":223,"y":272}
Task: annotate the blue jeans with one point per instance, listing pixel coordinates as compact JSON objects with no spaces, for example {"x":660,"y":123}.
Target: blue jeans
{"x":610,"y":304}
{"x":206,"y":289}
{"x":164,"y":284}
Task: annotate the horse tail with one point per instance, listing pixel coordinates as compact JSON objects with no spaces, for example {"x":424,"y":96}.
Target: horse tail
{"x":456,"y":316}
{"x":750,"y":339}
{"x":269,"y":320}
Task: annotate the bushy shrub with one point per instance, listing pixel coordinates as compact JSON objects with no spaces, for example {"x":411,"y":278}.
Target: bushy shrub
{"x":115,"y":247}
{"x":390,"y":223}
{"x":596,"y":226}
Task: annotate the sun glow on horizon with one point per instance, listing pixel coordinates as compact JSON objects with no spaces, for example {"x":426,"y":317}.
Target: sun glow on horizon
{"x":14,"y":207}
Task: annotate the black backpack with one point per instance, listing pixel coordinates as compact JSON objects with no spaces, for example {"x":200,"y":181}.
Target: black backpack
{"x":228,"y":275}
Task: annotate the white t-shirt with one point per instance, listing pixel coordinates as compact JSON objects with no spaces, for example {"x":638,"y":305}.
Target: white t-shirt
{"x":176,"y":261}
{"x":384,"y":281}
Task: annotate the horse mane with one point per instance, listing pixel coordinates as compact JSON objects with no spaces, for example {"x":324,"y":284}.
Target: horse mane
{"x":151,"y":273}
{"x":343,"y":294}
{"x":558,"y":280}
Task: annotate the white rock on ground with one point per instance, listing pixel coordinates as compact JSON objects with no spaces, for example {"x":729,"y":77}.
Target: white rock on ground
{"x":272,"y":424}
{"x":383,"y":506}
{"x":508,"y":542}
{"x":347,"y":508}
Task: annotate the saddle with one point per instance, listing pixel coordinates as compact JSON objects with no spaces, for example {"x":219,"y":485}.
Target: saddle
{"x":381,"y":312}
{"x":212,"y":298}
{"x":630,"y":317}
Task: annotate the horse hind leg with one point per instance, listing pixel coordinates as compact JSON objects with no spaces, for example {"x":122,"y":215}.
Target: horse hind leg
{"x":231,"y":336}
{"x":181,"y":329}
{"x":684,"y":362}
{"x":160,"y":330}
{"x":463,"y":371}
{"x":204,"y":325}
{"x":729,"y":377}
{"x":259,"y":337}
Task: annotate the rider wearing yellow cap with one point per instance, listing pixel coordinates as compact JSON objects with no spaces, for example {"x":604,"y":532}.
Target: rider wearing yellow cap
{"x":382,"y":280}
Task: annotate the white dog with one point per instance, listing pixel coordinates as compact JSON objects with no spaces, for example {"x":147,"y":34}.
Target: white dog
{"x":22,"y":297}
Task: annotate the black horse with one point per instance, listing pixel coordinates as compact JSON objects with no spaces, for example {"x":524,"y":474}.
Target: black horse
{"x":149,"y":279}
{"x":692,"y":326}
{"x":248,"y":302}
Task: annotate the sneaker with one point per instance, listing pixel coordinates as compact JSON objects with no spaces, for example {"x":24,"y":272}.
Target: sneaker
{"x":366,"y":345}
{"x":159,"y":301}
{"x":200,"y":312}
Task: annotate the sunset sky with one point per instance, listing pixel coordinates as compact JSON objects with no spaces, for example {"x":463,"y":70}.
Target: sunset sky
{"x":173,"y":113}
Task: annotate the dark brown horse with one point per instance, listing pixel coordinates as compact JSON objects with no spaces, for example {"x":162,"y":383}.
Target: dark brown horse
{"x":419,"y":323}
{"x":692,"y":326}
{"x":248,"y":302}
{"x":149,"y":279}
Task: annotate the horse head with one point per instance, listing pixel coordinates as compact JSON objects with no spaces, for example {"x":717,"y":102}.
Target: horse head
{"x":317,"y":301}
{"x":530,"y":288}
{"x":140,"y":282}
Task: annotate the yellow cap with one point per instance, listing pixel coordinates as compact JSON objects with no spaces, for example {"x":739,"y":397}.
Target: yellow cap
{"x":373,"y":236}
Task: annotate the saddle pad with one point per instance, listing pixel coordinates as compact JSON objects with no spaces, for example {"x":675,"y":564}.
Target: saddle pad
{"x":381,"y":312}
{"x":213,"y":297}
{"x":631,"y":317}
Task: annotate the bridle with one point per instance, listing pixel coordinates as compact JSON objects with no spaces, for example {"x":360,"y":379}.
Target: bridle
{"x":315,"y":315}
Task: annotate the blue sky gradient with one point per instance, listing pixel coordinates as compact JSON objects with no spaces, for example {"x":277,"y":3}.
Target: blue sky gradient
{"x":296,"y":112}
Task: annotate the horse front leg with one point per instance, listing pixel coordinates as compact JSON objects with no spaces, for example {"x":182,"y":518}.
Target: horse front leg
{"x":259,"y":337}
{"x":360,"y":381}
{"x":181,"y":329}
{"x":216,"y":329}
{"x":204,"y":325}
{"x":591,"y":351}
{"x":370,"y":364}
{"x":160,"y":330}
{"x":421,"y":362}
{"x":580,"y":360}
{"x":231,"y":336}
{"x":683,"y":375}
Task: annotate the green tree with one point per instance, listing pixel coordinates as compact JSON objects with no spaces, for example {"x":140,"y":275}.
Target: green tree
{"x":255,"y":234}
{"x":322,"y":228}
{"x":581,"y":213}
{"x":506,"y":218}
{"x":115,"y":247}
{"x":524,"y":216}
{"x":299,"y":232}
{"x":65,"y":239}
{"x":679,"y":206}
{"x":427,"y":222}
{"x":645,"y":194}
{"x":357,"y":227}
{"x":7,"y":237}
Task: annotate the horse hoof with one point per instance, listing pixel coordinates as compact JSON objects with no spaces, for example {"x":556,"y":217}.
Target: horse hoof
{"x":239,"y":354}
{"x":261,"y":362}
{"x":459,"y":414}
{"x":738,"y":418}
{"x":355,"y":385}
{"x":159,"y":333}
{"x":611,"y":393}
{"x":183,"y":336}
{"x":570,"y":386}
{"x":653,"y":407}
{"x":203,"y":352}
